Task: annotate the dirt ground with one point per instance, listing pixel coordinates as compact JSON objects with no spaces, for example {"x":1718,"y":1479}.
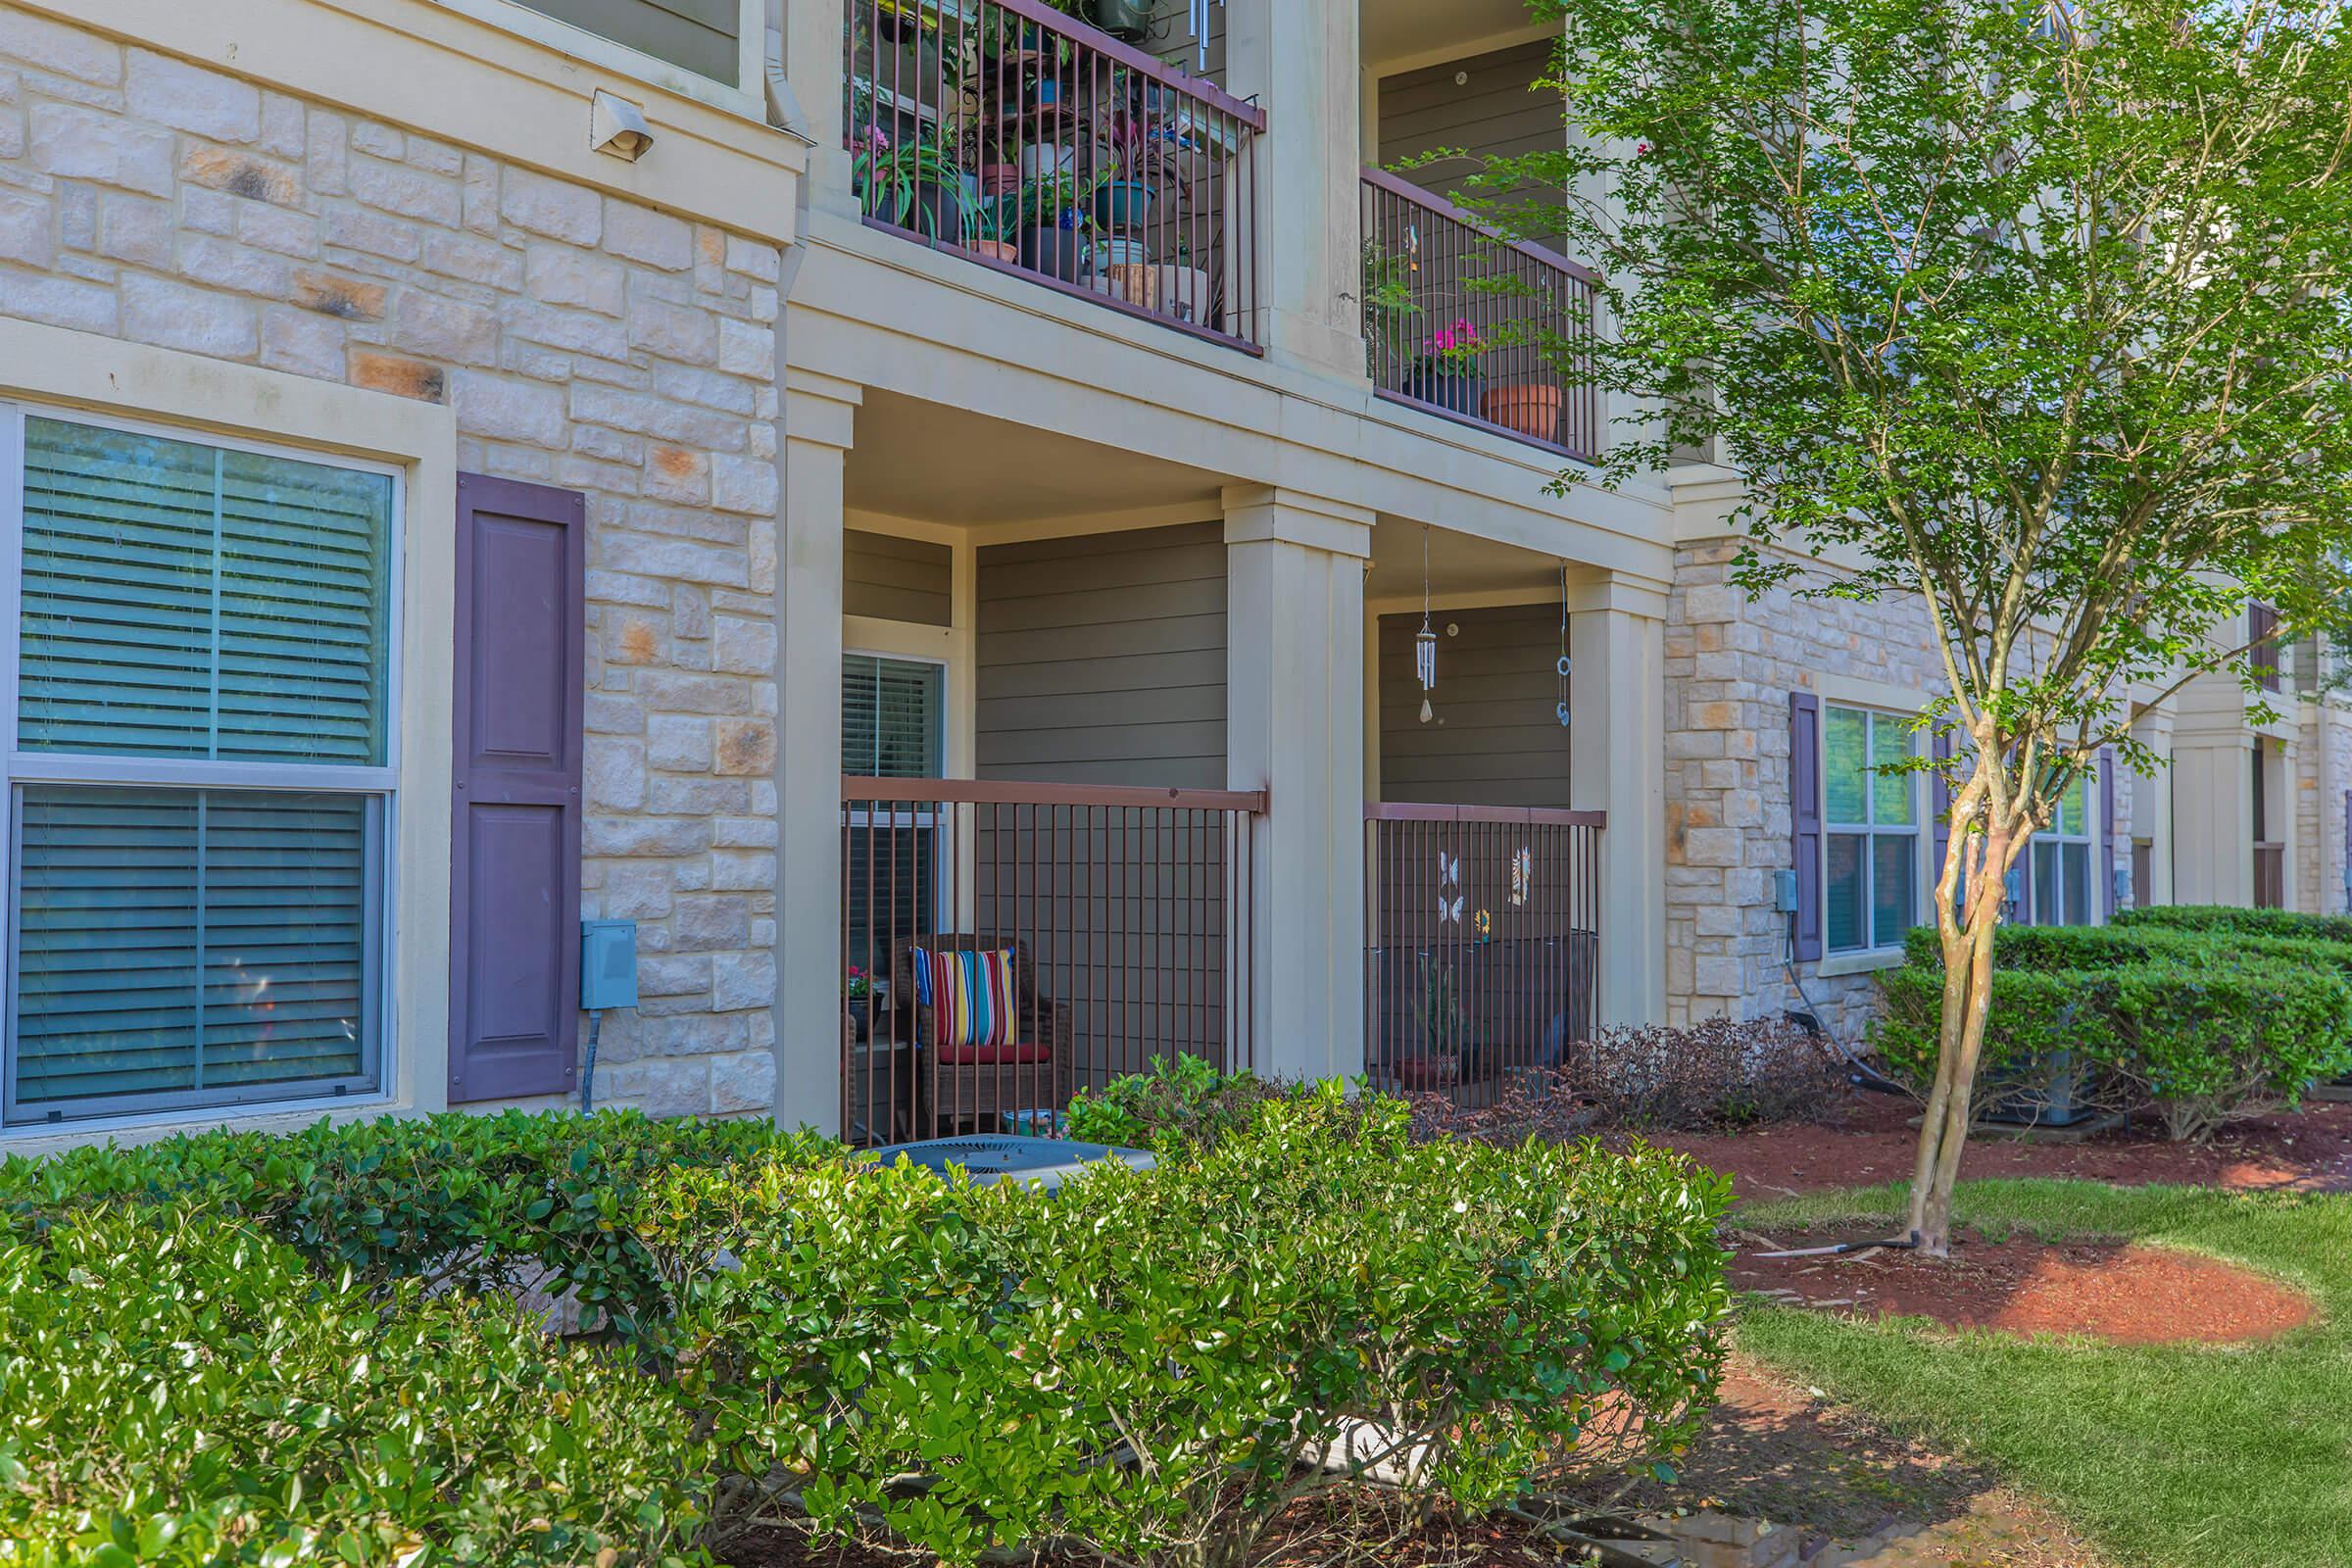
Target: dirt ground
{"x":2126,"y":1295}
{"x":1869,"y":1140}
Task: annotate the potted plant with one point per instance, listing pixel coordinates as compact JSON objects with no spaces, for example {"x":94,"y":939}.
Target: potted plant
{"x":1123,"y":18}
{"x":1530,"y":408}
{"x":1445,"y":374}
{"x":1051,"y":221}
{"x":914,"y":184}
{"x":995,"y":231}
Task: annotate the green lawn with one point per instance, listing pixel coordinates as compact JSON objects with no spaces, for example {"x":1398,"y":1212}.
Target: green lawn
{"x":2189,"y":1457}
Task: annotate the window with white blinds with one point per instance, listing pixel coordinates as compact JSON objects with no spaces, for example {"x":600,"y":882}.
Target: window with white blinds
{"x":201,"y":769}
{"x":892,"y":725}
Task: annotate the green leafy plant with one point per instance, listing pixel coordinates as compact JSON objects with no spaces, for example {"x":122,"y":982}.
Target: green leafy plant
{"x":498,"y":1204}
{"x":1150,"y":1367}
{"x":1176,"y":1100}
{"x":895,"y":181}
{"x":178,"y":1390}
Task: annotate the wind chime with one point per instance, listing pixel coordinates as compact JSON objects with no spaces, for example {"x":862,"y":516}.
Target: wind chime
{"x":1199,"y":21}
{"x":1425,"y":643}
{"x":1562,"y":708}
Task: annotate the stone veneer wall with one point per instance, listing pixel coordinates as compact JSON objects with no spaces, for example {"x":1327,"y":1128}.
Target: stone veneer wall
{"x":1730,"y":664}
{"x":2324,"y":772}
{"x":583,"y":341}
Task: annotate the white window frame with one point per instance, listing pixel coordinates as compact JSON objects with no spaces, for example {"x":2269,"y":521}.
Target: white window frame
{"x":743,"y":97}
{"x":2083,"y":834}
{"x":1869,"y":953}
{"x":917,"y":819}
{"x":380,"y":784}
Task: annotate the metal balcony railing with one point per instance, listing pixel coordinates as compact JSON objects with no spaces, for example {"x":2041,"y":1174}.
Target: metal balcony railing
{"x":1465,"y":324}
{"x":1127,"y":915}
{"x":1027,"y":141}
{"x":1482,"y":945}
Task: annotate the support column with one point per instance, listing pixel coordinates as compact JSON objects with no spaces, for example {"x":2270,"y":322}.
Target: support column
{"x":815,"y":35}
{"x":820,"y":419}
{"x":1617,"y":765}
{"x":1299,"y":61}
{"x":1295,"y":727}
{"x":2152,"y":807}
{"x":2213,"y":794}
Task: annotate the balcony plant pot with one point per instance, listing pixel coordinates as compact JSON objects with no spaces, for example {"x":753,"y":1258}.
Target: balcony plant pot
{"x":1124,"y":204}
{"x":1455,"y":391}
{"x":999,"y":179}
{"x":1123,"y":18}
{"x":938,"y":214}
{"x":1000,"y":249}
{"x":1184,"y":294}
{"x":1048,"y":157}
{"x":1050,"y":251}
{"x":1528,"y":407}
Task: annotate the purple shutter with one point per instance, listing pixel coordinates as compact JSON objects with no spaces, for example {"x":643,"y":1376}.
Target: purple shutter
{"x":2106,"y":856}
{"x":514,"y":871}
{"x":1939,"y":818}
{"x":1804,"y":817}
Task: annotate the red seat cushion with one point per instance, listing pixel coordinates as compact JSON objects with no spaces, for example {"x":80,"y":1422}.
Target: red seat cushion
{"x":992,"y":1056}
{"x":1424,"y":1074}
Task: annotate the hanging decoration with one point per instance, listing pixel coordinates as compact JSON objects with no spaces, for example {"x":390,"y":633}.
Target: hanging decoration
{"x":1425,"y":642}
{"x":1200,"y":29}
{"x":1561,"y":709}
{"x":1449,"y":875}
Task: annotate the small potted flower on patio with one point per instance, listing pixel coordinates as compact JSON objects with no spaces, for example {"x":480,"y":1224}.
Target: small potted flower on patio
{"x":1445,"y":374}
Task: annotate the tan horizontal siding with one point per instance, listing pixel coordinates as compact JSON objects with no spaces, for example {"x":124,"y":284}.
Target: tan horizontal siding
{"x":1101,"y":660}
{"x":1494,"y":737}
{"x":896,"y":580}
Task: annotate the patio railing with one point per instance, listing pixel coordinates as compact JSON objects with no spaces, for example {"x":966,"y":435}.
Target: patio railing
{"x":1465,"y":324}
{"x":1482,"y":944}
{"x":1127,"y":911}
{"x":1027,"y":141}
{"x":2270,"y":875}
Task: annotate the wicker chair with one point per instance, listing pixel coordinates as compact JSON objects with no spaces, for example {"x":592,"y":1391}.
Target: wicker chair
{"x":968,"y":1087}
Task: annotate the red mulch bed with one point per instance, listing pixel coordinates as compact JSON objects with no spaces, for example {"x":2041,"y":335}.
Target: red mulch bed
{"x":1869,"y":1142}
{"x":2121,"y":1292}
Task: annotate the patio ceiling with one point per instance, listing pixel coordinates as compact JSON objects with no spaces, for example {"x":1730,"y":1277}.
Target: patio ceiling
{"x":914,"y":459}
{"x":1458,"y":564}
{"x":1401,"y":33}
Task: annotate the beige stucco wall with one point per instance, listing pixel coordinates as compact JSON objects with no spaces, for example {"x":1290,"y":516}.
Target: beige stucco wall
{"x":566,"y":335}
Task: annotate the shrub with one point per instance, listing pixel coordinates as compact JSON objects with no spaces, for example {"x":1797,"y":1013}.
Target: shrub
{"x":2042,"y":1026}
{"x":1148,"y":1366}
{"x":2238,"y":922}
{"x":1176,"y":1100}
{"x":2196,"y":1031}
{"x":1717,"y":1075}
{"x":2218,"y":1042}
{"x":488,"y":1203}
{"x":175,"y":1388}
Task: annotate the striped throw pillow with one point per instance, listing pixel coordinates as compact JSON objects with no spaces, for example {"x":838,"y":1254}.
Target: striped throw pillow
{"x":974,"y":999}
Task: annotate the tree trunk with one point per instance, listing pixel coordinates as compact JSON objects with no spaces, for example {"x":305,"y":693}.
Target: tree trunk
{"x":1967,"y":925}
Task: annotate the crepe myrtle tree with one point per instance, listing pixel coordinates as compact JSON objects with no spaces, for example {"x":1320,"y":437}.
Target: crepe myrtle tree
{"x":2034,"y":314}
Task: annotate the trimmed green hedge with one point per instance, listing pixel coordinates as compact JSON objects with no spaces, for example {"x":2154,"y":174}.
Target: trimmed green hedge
{"x":1147,"y":1365}
{"x":235,"y":1349}
{"x":497,"y":1202}
{"x":2243,"y":922}
{"x":2198,"y":1026}
{"x":178,"y":1390}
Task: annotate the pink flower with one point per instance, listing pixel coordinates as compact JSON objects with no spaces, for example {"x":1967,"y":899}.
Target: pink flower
{"x":1460,"y":336}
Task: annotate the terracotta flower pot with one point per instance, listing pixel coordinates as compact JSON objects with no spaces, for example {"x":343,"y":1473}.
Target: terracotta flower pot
{"x":1001,"y":250}
{"x":1528,"y":407}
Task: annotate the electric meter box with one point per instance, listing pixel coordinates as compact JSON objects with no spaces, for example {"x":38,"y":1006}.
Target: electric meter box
{"x":607,"y":964}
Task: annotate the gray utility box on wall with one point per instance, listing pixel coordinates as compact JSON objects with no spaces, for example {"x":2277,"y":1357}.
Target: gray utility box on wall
{"x":1046,"y":1162}
{"x":607,"y":964}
